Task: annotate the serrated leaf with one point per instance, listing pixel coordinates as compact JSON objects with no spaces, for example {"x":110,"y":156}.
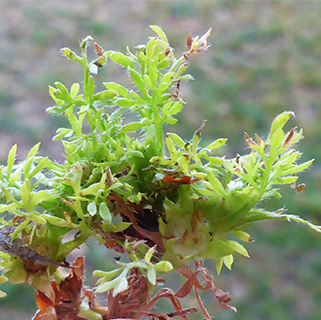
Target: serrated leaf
{"x":298,"y":168}
{"x":216,"y":184}
{"x":286,"y":180}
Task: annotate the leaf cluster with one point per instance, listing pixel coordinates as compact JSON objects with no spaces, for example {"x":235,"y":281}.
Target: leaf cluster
{"x":159,"y":199}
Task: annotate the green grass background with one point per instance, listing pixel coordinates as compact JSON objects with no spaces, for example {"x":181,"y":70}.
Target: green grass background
{"x":264,"y":59}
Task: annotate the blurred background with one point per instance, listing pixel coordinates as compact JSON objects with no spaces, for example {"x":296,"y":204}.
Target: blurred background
{"x":264,"y":59}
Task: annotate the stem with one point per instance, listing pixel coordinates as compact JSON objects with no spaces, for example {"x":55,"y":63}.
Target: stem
{"x":86,"y":80}
{"x":158,"y":127}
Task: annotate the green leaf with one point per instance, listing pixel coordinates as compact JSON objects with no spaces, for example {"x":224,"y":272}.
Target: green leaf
{"x":25,"y":193}
{"x":74,"y":90}
{"x":105,"y":213}
{"x":106,"y":286}
{"x":228,"y":261}
{"x":219,"y":265}
{"x":41,"y":165}
{"x":85,"y":41}
{"x":62,"y":92}
{"x":216,"y":184}
{"x":92,"y":208}
{"x":71,"y":55}
{"x":171,"y":121}
{"x":244,"y":236}
{"x":105,"y":95}
{"x":161,"y":161}
{"x":120,"y":58}
{"x":151,"y":276}
{"x":180,"y":71}
{"x":163,"y":266}
{"x":163,"y":64}
{"x":149,"y":254}
{"x":216,"y":144}
{"x":132,"y":127}
{"x":217,"y":249}
{"x":11,"y":159}
{"x":286,"y":180}
{"x":120,"y":286}
{"x":127,"y":103}
{"x":117,"y":113}
{"x":117,"y":227}
{"x":238,"y":247}
{"x":138,"y":80}
{"x":174,"y":109}
{"x":107,"y":275}
{"x":56,"y":221}
{"x":298,"y":168}
{"x":92,"y":189}
{"x":61,"y":133}
{"x":153,"y":74}
{"x":171,"y":148}
{"x":119,"y":89}
{"x":177,"y":139}
{"x":33,"y":151}
{"x":280,"y":121}
{"x":161,"y":33}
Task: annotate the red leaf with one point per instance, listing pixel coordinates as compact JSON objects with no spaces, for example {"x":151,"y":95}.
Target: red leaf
{"x":42,"y":301}
{"x":182,"y":180}
{"x":223,"y":299}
